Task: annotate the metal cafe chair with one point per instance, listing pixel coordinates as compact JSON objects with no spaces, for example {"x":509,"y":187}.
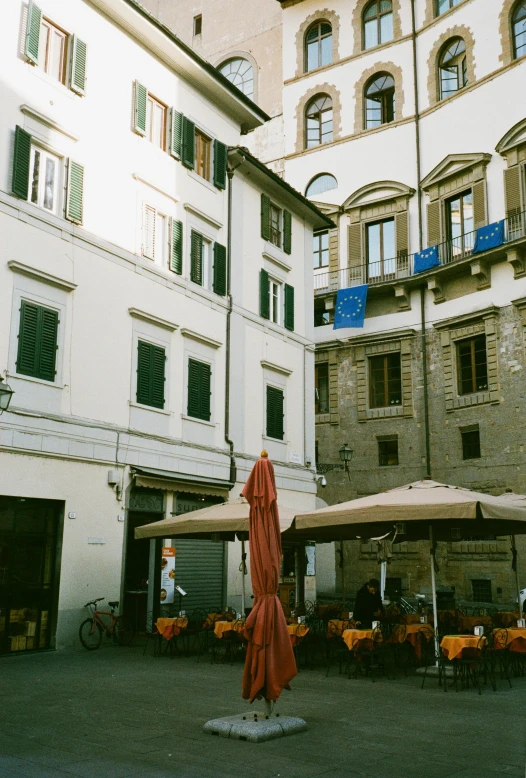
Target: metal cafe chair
{"x":428,"y":657}
{"x":497,"y":654}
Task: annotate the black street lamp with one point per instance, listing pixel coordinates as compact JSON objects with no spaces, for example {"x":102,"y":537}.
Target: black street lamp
{"x":346,"y":454}
{"x":5,"y":395}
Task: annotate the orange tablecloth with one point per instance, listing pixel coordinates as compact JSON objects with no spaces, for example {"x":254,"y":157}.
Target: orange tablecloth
{"x":411,"y":636}
{"x":336,"y":627}
{"x":297,"y":632}
{"x":350,"y":635}
{"x":220,"y":627}
{"x":515,"y":640}
{"x":212,"y":618}
{"x":169,"y":628}
{"x":413,"y":618}
{"x":466,"y":623}
{"x":453,"y":645}
{"x":508,"y":618}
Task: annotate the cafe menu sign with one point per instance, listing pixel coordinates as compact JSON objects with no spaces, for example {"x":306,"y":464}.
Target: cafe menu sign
{"x":167,"y":575}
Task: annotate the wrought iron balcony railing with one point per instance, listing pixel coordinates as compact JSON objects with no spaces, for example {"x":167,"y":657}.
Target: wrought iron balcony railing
{"x":401,"y":267}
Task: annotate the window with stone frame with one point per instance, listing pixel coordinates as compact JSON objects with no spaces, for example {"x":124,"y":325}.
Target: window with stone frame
{"x":481,"y":589}
{"x":318,"y":46}
{"x":318,"y":121}
{"x":444,"y":5}
{"x":321,"y":249}
{"x":472,"y":365}
{"x":470,"y":437}
{"x":379,"y":100}
{"x":385,"y":380}
{"x":377,"y":23}
{"x":388,"y":451}
{"x":321,"y":391}
{"x":518,"y":23}
{"x":453,"y":69}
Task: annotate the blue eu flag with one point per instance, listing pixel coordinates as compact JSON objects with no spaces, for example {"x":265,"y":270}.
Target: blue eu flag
{"x":350,"y":307}
{"x":489,"y":237}
{"x":426,"y":259}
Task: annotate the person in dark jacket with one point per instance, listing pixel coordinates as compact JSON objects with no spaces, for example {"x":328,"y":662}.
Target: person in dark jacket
{"x":368,"y":604}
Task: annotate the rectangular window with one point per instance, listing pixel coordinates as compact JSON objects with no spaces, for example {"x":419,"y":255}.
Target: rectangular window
{"x":470,"y":444}
{"x":199,"y":391}
{"x":388,"y":452}
{"x":44,"y":175}
{"x":321,"y":377}
{"x":385,"y":381}
{"x":201,"y":260}
{"x":37,"y":341}
{"x":321,"y":249}
{"x":381,"y":251}
{"x":203,"y":149}
{"x":52,"y":50}
{"x":275,"y":225}
{"x":393,"y":588}
{"x":472,"y":365}
{"x":154,"y":235}
{"x":156,"y":122}
{"x":198,"y":24}
{"x":151,"y":361}
{"x":275,"y":413}
{"x":481,"y":590}
{"x":460,"y":224}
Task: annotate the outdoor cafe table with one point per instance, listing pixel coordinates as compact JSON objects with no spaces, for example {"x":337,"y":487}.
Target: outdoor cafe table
{"x":297,"y":632}
{"x":411,"y":635}
{"x":350,"y":635}
{"x":507,"y":618}
{"x":413,"y":618}
{"x":466,"y":623}
{"x":515,"y":640}
{"x":221,"y":627}
{"x":335,"y":627}
{"x":453,"y":646}
{"x":169,"y":628}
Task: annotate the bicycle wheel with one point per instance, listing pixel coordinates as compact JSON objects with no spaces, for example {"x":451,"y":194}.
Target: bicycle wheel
{"x":123,"y":631}
{"x":90,"y":634}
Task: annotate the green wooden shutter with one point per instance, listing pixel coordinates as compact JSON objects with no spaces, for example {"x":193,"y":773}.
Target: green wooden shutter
{"x":289,"y":307}
{"x":220,"y":162}
{"x":77,"y":75}
{"x":176,"y":262}
{"x":265,"y":217}
{"x":274,"y":413}
{"x":21,"y":163}
{"x":37,"y":341}
{"x":199,"y":374}
{"x":287,"y":232}
{"x":264,"y":295}
{"x":151,"y":362}
{"x":34,"y":20}
{"x":219,"y":269}
{"x":75,"y":192}
{"x":176,"y":133}
{"x":140,"y":100}
{"x":196,"y":258}
{"x":188,"y":150}
{"x":48,"y":344}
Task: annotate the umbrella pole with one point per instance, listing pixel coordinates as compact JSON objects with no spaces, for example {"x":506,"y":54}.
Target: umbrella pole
{"x":343,"y":572}
{"x":243,"y":558}
{"x":514,"y":551}
{"x":383,"y":576}
{"x":434,"y":592}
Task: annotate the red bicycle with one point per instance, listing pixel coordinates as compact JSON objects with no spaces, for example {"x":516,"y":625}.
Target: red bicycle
{"x":91,"y":629}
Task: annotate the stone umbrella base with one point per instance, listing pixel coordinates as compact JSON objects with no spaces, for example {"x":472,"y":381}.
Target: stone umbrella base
{"x":255,"y":726}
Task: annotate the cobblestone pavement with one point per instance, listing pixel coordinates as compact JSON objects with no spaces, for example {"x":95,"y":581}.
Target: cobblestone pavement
{"x":113,"y":713}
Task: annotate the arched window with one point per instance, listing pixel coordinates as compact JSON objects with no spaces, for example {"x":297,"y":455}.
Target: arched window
{"x":452,"y":67}
{"x":318,"y":117}
{"x":320,"y":184}
{"x":379,"y":100}
{"x":519,"y":29}
{"x":445,"y":5}
{"x":318,"y":46}
{"x":240,"y":72}
{"x":377,"y":23}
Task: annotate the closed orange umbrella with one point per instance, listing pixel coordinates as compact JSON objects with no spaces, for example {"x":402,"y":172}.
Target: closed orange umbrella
{"x":270,"y":663}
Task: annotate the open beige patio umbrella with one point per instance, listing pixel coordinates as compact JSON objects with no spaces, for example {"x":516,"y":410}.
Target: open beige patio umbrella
{"x":224,"y":521}
{"x":515,"y":499}
{"x":424,"y":509}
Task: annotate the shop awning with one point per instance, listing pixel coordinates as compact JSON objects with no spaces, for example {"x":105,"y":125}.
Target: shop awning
{"x":172,"y":481}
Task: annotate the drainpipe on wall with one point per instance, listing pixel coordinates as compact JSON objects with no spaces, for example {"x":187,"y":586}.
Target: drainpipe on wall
{"x":420,"y":242}
{"x":230,"y":443}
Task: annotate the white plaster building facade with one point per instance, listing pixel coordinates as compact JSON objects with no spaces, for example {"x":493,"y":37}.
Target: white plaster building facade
{"x":139,"y":287}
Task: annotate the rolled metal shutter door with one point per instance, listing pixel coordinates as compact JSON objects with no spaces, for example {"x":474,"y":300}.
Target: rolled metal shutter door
{"x":199,"y":570}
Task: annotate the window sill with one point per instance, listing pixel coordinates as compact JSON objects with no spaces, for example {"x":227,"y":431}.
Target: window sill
{"x":486,"y":397}
{"x":203,"y":181}
{"x":34,"y":380}
{"x":322,"y":418}
{"x":197,"y":421}
{"x":47,"y":79}
{"x":275,"y":440}
{"x":162,"y":411}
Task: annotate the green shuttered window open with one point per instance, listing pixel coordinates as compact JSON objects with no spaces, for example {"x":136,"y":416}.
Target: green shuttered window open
{"x":176,"y":134}
{"x":220,"y":163}
{"x":264,"y":295}
{"x":75,"y":192}
{"x":176,"y":248}
{"x":275,"y":413}
{"x":287,"y":232}
{"x":196,"y":258}
{"x":219,"y":269}
{"x":289,"y":307}
{"x":37,"y":341}
{"x":199,"y":374}
{"x":21,"y":163}
{"x":140,"y":100}
{"x":34,"y":20}
{"x":265,"y":217}
{"x":77,"y":76}
{"x":188,"y":149}
{"x":151,"y":361}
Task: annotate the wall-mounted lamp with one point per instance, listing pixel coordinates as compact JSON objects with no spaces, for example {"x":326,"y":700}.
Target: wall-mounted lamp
{"x":5,"y":395}
{"x":346,"y":454}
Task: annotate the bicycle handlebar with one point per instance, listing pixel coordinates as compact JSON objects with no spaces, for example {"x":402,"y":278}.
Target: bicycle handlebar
{"x":93,"y":602}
